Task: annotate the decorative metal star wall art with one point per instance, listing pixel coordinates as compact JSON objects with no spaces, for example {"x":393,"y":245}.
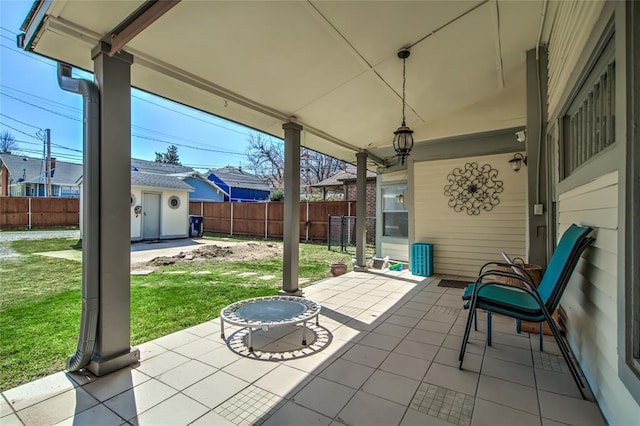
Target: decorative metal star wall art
{"x":473,"y":188}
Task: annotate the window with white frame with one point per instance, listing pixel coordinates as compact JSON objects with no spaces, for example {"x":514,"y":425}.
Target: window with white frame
{"x":395,"y":217}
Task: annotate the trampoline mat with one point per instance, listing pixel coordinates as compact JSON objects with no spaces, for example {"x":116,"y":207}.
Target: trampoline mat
{"x":270,"y":310}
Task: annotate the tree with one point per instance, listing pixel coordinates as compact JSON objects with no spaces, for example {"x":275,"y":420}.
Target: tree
{"x":7,"y":143}
{"x":276,"y":195}
{"x":266,"y":158}
{"x":169,"y":157}
{"x":316,"y":167}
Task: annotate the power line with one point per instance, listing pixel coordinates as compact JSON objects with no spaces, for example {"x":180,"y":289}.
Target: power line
{"x":19,"y":131}
{"x":42,"y":98}
{"x":21,"y":122}
{"x":27,"y":142}
{"x":66,"y":147}
{"x":40,"y":107}
{"x":139,"y":127}
{"x":57,"y":155}
{"x":79,"y":110}
{"x":144,"y":129}
{"x":133,"y":135}
{"x":190,"y":116}
{"x":28,"y":55}
{"x":53,"y":144}
{"x":8,"y":30}
{"x":188,"y":146}
{"x":32,"y":56}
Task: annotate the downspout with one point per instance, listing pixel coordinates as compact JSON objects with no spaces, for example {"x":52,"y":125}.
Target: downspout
{"x":541,"y":124}
{"x":90,"y":217}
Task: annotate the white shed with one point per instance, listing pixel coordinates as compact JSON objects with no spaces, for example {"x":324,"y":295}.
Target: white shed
{"x":159,"y":207}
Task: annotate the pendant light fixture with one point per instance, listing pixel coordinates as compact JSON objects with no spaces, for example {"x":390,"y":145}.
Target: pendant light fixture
{"x":403,"y":136}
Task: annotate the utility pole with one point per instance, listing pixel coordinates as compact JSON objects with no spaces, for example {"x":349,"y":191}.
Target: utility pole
{"x":47,"y":135}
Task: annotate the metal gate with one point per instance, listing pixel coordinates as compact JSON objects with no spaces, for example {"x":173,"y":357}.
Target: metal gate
{"x":342,"y":233}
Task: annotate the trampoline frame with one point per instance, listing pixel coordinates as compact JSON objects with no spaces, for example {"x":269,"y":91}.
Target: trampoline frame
{"x":229,"y":315}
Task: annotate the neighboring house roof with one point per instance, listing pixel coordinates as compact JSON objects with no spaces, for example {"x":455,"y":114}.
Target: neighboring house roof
{"x":158,"y":181}
{"x":31,"y":170}
{"x":200,"y":176}
{"x":348,"y":174}
{"x":147,"y":166}
{"x":235,"y":177}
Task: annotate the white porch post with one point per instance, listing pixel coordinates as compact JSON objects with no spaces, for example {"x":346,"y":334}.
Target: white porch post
{"x":113,"y":343}
{"x":361,"y":211}
{"x":291,"y":232}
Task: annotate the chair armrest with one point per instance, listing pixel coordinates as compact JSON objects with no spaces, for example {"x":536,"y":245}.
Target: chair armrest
{"x":507,"y":274}
{"x":527,"y":288}
{"x":522,"y":275}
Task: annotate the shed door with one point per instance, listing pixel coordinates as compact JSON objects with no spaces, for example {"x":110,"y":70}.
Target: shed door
{"x":150,"y":216}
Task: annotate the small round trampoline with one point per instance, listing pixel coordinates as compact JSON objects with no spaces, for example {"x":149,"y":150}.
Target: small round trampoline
{"x":270,"y":311}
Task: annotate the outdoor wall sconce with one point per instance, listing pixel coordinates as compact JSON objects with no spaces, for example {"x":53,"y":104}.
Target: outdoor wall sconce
{"x":400,"y":198}
{"x":403,"y":136}
{"x":517,"y":160}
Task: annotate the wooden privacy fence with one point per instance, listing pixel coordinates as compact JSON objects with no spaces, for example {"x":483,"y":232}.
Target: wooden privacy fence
{"x":266,"y":220}
{"x":38,"y":212}
{"x":262,"y":220}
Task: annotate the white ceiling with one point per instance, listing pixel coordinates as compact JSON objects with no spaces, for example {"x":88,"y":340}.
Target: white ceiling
{"x":331,"y":64}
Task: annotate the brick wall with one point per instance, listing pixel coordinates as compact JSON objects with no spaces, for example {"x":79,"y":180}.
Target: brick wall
{"x":350,"y":195}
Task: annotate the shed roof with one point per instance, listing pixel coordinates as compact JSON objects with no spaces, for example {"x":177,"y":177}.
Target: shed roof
{"x":31,"y":170}
{"x":158,"y":168}
{"x":158,"y":181}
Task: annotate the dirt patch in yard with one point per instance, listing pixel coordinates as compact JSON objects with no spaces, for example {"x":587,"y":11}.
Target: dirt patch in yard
{"x":237,"y":253}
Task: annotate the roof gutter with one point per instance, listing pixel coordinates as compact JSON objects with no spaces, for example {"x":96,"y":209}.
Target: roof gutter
{"x":91,"y":214}
{"x":32,"y":24}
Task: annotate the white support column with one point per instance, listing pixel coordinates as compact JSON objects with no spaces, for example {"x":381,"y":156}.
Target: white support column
{"x":291,"y":233}
{"x":361,"y":211}
{"x":113,"y":341}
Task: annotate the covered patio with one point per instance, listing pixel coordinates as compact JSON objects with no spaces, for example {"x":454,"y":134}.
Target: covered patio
{"x":555,"y":82}
{"x":385,"y":353}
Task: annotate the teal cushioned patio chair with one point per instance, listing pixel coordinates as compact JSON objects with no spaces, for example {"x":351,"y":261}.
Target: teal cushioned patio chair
{"x":528,"y":303}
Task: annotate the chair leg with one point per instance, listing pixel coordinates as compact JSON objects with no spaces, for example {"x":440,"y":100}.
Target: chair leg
{"x":541,"y":331}
{"x":564,"y":349}
{"x":518,"y":326}
{"x":467,"y":332}
{"x":475,"y":322}
{"x":567,"y":357}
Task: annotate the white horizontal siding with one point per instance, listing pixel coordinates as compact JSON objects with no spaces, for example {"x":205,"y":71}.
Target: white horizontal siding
{"x":591,"y":298}
{"x":462,"y":242}
{"x":571,"y":29}
{"x":395,"y":251}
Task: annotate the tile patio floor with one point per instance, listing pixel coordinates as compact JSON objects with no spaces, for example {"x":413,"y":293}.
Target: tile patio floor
{"x":385,"y":354}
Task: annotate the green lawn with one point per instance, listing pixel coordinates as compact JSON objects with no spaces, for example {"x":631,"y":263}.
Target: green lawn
{"x":40,"y":301}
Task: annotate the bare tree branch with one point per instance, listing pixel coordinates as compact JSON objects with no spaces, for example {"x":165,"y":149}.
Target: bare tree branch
{"x":8,"y":143}
{"x":266,"y":158}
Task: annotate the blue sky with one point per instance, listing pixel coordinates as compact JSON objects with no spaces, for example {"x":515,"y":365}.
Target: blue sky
{"x":30,"y":99}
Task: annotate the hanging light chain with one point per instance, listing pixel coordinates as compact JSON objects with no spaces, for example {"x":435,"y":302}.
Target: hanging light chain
{"x":404,"y":82}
